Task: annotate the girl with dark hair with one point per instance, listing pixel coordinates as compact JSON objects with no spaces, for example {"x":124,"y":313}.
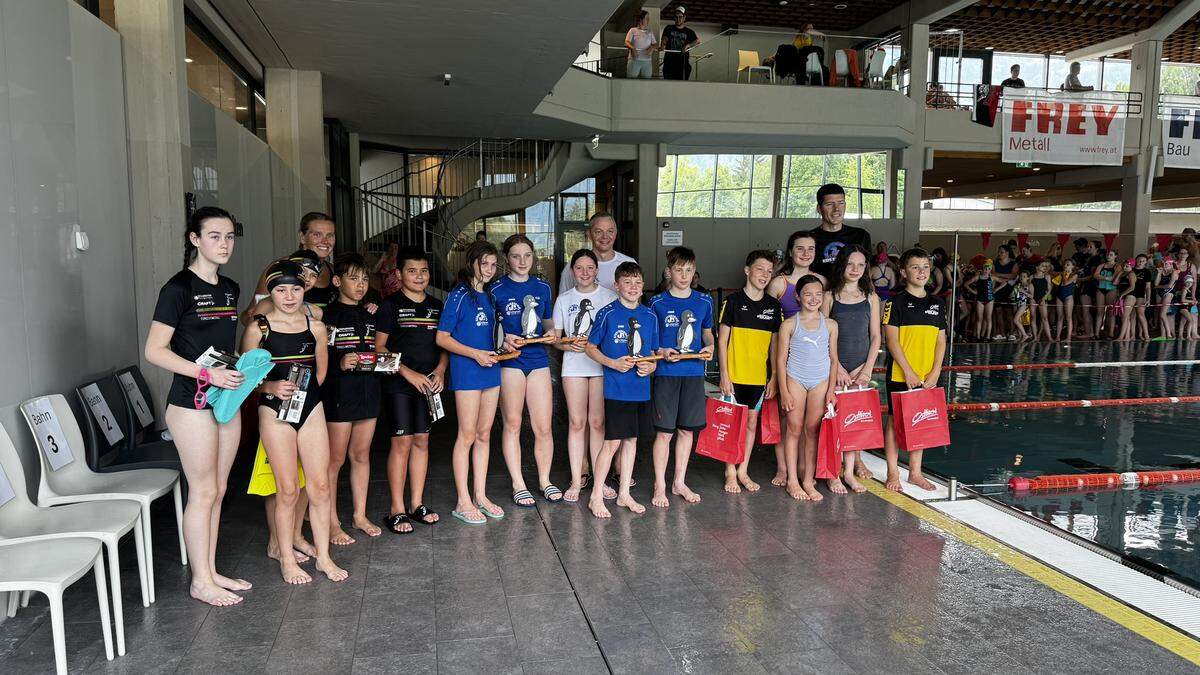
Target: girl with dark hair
{"x":466,"y":330}
{"x":196,"y":310}
{"x":1105,"y":277}
{"x":524,"y":308}
{"x":853,"y":304}
{"x":799,"y":257}
{"x":582,"y":378}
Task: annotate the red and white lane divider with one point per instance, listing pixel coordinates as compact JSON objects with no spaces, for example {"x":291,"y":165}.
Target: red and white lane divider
{"x":1103,"y":480}
{"x":1080,"y":403}
{"x":1057,"y":365}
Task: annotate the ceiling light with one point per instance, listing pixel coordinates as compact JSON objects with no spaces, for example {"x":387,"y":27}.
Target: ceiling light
{"x":188,"y":60}
{"x":840,"y":5}
{"x":991,"y":175}
{"x":1037,"y":168}
{"x":951,"y":30}
{"x":240,"y":107}
{"x":782,"y":3}
{"x":1028,"y":193}
{"x":949,"y":180}
{"x":1059,"y":51}
{"x":989,"y":48}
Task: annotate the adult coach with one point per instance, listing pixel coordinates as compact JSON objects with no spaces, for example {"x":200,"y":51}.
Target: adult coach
{"x":602,"y":231}
{"x":832,"y":234}
{"x":317,"y":234}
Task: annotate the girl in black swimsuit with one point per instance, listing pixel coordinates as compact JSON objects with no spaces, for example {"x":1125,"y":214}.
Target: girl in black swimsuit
{"x":294,"y":338}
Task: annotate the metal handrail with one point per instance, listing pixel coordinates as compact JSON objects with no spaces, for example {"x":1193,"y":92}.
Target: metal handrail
{"x":965,"y":96}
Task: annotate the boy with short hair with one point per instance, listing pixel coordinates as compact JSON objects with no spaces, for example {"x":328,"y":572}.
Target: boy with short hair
{"x":623,"y":331}
{"x":685,"y":320}
{"x":407,"y":324}
{"x":750,"y":318}
{"x":915,"y":331}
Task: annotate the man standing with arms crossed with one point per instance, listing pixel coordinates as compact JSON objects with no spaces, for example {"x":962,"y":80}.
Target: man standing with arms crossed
{"x":602,"y":232}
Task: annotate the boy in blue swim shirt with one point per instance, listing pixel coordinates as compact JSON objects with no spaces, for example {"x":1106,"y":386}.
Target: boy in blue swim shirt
{"x":624,"y":330}
{"x":685,"y":321}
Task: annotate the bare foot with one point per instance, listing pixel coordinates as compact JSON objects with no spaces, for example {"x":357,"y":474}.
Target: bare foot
{"x":364,"y":524}
{"x":292,"y":574}
{"x":795,"y":492}
{"x":215,"y":595}
{"x":686,"y":492}
{"x":301,"y":544}
{"x":893,"y":482}
{"x":920,"y":481}
{"x":836,"y":487}
{"x":811,"y":491}
{"x":489,"y":508}
{"x":331,"y":570}
{"x":731,"y":484}
{"x":630,"y":504}
{"x":231,"y":584}
{"x":660,"y":497}
{"x":861,"y":470}
{"x":338,"y":536}
{"x":572,"y":494}
{"x":780,"y":479}
{"x":751,"y":486}
{"x":273,"y":553}
{"x":853,"y":484}
{"x":599,"y":509}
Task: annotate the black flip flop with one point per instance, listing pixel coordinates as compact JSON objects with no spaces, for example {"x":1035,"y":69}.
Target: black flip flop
{"x":395,"y":520}
{"x":419,"y":514}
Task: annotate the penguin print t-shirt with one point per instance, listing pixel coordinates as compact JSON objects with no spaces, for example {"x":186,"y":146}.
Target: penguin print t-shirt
{"x":575,"y":315}
{"x":522,"y":306}
{"x":620,"y":331}
{"x":681,"y":326}
{"x":470,"y":318}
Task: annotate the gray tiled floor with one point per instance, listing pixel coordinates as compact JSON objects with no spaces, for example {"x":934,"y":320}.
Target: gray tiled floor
{"x":750,"y":583}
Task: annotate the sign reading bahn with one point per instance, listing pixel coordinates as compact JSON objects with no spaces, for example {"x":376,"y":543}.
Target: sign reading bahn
{"x":1053,"y":127}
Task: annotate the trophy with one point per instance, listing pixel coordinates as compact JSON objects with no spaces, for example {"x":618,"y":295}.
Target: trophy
{"x":686,"y":336}
{"x":531,"y":324}
{"x":636,"y":344}
{"x":583,"y":324}
{"x":502,"y":354}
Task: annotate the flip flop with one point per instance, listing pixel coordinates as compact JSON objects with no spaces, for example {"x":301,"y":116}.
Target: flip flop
{"x":489,"y":514}
{"x":550,"y":492}
{"x":470,"y":521}
{"x":584,"y":481}
{"x":524,"y":494}
{"x":254,"y":366}
{"x":395,"y":520}
{"x":567,"y":498}
{"x":419,"y":514}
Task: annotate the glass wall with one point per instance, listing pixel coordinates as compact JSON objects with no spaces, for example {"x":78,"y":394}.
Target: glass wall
{"x":221,"y":81}
{"x":863,"y":176}
{"x":721,"y":186}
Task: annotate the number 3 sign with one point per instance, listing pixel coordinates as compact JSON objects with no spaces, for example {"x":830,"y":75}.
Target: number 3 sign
{"x":50,"y":436}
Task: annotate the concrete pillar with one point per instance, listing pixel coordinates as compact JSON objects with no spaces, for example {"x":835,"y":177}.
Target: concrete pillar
{"x":1145,"y":69}
{"x":295,"y":133}
{"x":647,"y":212}
{"x":916,"y":50}
{"x":892,"y":171}
{"x":152,"y":42}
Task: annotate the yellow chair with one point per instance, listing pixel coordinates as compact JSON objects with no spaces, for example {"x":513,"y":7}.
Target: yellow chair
{"x":749,"y":61}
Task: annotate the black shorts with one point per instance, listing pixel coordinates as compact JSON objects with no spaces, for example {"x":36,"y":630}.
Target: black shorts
{"x":627,"y":419}
{"x":893,"y":387}
{"x":350,"y":403}
{"x":410,"y":414}
{"x":183,"y":393}
{"x":678,"y":403}
{"x":748,"y":394}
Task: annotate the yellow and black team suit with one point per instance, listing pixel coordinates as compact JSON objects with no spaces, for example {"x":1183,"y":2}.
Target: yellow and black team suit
{"x":919,"y":321}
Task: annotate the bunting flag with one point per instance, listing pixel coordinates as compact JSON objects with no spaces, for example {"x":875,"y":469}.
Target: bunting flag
{"x":1063,"y":238}
{"x":986,"y":238}
{"x":1109,"y":238}
{"x":1022,"y":241}
{"x":1164,"y":241}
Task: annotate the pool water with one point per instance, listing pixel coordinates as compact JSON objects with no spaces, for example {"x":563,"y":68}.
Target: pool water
{"x":1157,"y":525}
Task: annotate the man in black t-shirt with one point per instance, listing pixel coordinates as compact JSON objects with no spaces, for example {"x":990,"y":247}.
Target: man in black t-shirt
{"x":678,"y":39}
{"x":407,"y":323}
{"x":1014,"y":78}
{"x":832,"y":234}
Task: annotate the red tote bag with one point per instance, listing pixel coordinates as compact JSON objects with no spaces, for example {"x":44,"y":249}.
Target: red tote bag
{"x":860,"y":424}
{"x":919,"y":418}
{"x":829,"y":449}
{"x":724,"y":438}
{"x":768,"y":422}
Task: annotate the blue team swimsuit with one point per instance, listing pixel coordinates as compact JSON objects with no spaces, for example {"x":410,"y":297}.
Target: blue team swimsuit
{"x":522,"y":307}
{"x":470,"y":317}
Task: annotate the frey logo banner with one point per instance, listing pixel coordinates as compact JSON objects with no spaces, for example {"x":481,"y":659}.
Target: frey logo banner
{"x":1053,"y":127}
{"x":1180,"y":131}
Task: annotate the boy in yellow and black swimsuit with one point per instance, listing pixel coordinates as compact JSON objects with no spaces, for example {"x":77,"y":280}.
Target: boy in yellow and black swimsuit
{"x":914,"y":323}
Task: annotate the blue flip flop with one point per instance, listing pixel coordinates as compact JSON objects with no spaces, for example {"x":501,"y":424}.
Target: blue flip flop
{"x":470,"y":521}
{"x":254,"y":366}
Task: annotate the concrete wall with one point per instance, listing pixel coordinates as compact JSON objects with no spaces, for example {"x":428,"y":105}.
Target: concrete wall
{"x":69,"y":315}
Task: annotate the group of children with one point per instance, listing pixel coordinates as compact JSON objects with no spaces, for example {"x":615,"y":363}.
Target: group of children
{"x":629,"y":370}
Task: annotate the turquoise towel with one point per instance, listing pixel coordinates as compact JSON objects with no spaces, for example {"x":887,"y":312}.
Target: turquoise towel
{"x":254,"y":366}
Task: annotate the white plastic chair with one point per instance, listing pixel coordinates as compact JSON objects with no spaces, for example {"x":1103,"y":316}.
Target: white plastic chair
{"x":748,"y":62}
{"x":106,"y":521}
{"x":72,"y":481}
{"x":812,"y":66}
{"x":841,"y":66}
{"x":50,"y":567}
{"x":875,"y":68}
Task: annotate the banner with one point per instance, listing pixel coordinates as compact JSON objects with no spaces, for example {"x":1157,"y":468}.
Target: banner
{"x":1062,"y":238}
{"x":1180,"y":131}
{"x":1064,"y":127}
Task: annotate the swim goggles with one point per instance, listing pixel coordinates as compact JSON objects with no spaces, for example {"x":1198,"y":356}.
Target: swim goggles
{"x":201,"y":398}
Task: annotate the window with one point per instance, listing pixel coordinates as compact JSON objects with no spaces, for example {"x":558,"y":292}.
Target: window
{"x":216,"y":77}
{"x":1116,"y":75}
{"x":1179,"y":78}
{"x":1033,"y":68}
{"x":721,"y":186}
{"x":863,"y":176}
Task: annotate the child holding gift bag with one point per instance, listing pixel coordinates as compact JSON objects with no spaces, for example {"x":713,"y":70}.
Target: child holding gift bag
{"x":853,"y":304}
{"x":915,"y":328}
{"x":804,"y":391}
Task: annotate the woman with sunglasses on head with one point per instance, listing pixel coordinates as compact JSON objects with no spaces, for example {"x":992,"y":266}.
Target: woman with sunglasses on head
{"x":196,"y":311}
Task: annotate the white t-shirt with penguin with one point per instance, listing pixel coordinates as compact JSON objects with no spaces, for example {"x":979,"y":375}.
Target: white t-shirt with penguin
{"x":574,"y":314}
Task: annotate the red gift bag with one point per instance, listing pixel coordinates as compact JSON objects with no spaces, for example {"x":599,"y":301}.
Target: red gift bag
{"x":829,"y":449}
{"x":768,"y":422}
{"x":724,"y":438}
{"x":860,"y":424}
{"x":919,"y":418}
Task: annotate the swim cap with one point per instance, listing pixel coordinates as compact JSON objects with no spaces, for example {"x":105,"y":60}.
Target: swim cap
{"x":284,"y":272}
{"x":987,"y":262}
{"x":307,"y":259}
